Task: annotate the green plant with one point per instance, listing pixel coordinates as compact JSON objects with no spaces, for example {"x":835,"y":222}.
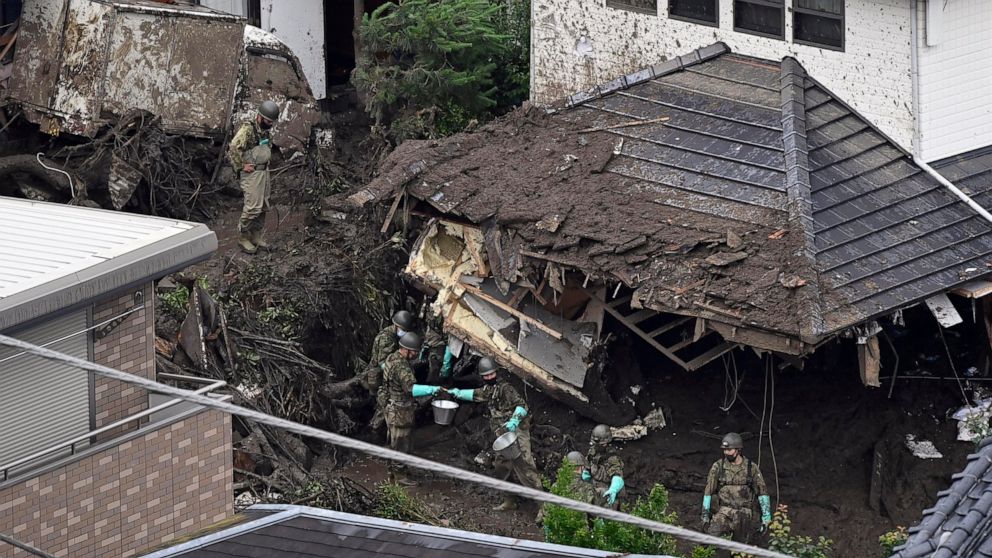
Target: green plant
{"x":175,"y":302}
{"x":394,"y":502}
{"x":429,"y":67}
{"x":565,"y":526}
{"x":781,"y":539}
{"x":978,"y":425}
{"x":703,"y":552}
{"x":890,"y":540}
{"x":283,"y":319}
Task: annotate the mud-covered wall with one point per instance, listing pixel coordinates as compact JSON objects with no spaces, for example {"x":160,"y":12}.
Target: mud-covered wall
{"x":580,"y":43}
{"x":300,"y":24}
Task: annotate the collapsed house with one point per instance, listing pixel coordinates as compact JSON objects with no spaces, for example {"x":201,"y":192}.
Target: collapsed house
{"x":709,"y":202}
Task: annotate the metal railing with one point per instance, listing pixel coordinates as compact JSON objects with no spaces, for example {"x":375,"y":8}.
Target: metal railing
{"x":73,"y":443}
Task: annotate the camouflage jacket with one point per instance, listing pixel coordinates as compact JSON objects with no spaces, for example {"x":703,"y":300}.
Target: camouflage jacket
{"x":735,"y":486}
{"x":383,"y":345}
{"x":398,"y":380}
{"x":604,"y":462}
{"x":248,"y":136}
{"x":501,"y":400}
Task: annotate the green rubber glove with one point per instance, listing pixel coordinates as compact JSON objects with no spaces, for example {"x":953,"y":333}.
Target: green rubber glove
{"x":421,"y":390}
{"x":706,"y":508}
{"x":463,"y":394}
{"x":519,"y":413}
{"x":586,"y":476}
{"x":766,"y":509}
{"x":446,"y":365}
{"x":616,"y":485}
{"x":512,"y":424}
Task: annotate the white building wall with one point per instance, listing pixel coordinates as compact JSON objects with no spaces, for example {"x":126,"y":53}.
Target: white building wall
{"x":955,"y":76}
{"x":579,"y":43}
{"x":236,"y":7}
{"x":300,"y":24}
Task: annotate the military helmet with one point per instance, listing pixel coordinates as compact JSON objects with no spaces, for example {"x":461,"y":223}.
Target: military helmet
{"x":732,"y":440}
{"x":576,"y":458}
{"x":404,"y":320}
{"x":486,"y":366}
{"x":411,"y":341}
{"x":269,"y":111}
{"x":602,"y":434}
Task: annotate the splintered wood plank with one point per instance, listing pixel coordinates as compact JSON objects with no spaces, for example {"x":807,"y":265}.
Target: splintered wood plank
{"x":640,"y":333}
{"x":709,"y":355}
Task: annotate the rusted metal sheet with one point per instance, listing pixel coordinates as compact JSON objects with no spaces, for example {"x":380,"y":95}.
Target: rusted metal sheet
{"x":82,"y":63}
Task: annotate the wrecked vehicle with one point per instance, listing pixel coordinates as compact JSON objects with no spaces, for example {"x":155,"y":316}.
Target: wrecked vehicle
{"x":81,"y":65}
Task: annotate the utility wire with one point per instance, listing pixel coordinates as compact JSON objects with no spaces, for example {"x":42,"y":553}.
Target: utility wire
{"x":393,"y":455}
{"x":25,"y":547}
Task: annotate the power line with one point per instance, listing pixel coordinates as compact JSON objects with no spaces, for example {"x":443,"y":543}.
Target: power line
{"x":393,"y":455}
{"x":25,"y":547}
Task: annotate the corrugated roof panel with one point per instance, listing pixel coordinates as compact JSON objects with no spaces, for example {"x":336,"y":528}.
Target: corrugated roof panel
{"x":48,"y":248}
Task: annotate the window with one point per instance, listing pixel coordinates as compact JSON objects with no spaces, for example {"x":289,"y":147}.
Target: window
{"x":706,"y":12}
{"x":819,"y":23}
{"x":643,"y":6}
{"x":760,"y":17}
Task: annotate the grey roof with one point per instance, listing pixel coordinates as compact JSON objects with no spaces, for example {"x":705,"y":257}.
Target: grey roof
{"x":960,"y":524}
{"x":755,"y":143}
{"x":279,"y":531}
{"x":54,"y":257}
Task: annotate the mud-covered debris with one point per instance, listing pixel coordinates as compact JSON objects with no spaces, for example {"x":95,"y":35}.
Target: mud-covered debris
{"x":655,"y":420}
{"x":791,"y":281}
{"x":924,"y":449}
{"x":633,"y":431}
{"x":777,"y":234}
{"x":721,"y":259}
{"x":734,"y":240}
{"x":550,"y":223}
{"x":631,"y":244}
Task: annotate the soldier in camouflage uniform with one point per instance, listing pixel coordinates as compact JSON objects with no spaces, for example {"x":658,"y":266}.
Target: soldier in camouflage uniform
{"x":507,"y":412}
{"x":401,"y":388}
{"x":250,"y":152}
{"x":735,"y":481}
{"x":383,"y":345}
{"x":582,"y":482}
{"x":605,"y":468}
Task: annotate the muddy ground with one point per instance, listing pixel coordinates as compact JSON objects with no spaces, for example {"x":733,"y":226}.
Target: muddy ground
{"x":825,"y":426}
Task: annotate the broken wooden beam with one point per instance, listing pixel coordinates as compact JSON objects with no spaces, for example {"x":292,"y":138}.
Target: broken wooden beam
{"x":392,"y":212}
{"x":624,"y":125}
{"x":507,"y":308}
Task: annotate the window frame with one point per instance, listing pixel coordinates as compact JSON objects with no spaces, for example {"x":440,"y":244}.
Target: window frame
{"x":768,"y":3}
{"x":619,"y":5}
{"x":716,"y":5}
{"x":843,"y":26}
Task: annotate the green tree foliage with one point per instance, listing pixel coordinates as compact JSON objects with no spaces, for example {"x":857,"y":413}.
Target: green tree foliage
{"x":564,"y":526}
{"x":429,"y":67}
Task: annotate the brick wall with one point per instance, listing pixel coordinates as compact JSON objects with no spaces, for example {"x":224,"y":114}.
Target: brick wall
{"x":128,"y":497}
{"x":580,"y":43}
{"x":130,"y":347}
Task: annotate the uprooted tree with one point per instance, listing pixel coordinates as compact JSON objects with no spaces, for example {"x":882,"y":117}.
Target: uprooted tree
{"x":427,"y":68}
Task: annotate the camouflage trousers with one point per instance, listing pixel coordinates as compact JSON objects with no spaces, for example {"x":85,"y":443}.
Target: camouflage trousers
{"x":256,"y":188}
{"x":399,"y":432}
{"x":523,"y":467}
{"x":733,"y":522}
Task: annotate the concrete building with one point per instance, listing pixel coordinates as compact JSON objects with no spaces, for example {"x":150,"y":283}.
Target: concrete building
{"x":89,"y":466}
{"x":917,"y":69}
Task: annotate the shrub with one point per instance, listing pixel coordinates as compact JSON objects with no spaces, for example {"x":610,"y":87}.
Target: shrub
{"x":781,"y":539}
{"x":429,"y":67}
{"x":890,"y":540}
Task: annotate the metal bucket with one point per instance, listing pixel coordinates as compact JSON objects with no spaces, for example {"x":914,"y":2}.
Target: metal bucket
{"x":506,"y":446}
{"x":444,"y":411}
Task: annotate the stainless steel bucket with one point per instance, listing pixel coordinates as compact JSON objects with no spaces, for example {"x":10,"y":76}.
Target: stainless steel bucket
{"x":444,"y":411}
{"x":506,"y":446}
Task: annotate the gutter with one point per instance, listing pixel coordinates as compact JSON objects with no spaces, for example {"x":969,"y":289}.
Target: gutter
{"x":954,"y":190}
{"x":914,"y":61}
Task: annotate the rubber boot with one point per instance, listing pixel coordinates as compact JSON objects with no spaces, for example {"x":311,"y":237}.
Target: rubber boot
{"x":244,"y":241}
{"x":258,"y":241}
{"x":509,"y":503}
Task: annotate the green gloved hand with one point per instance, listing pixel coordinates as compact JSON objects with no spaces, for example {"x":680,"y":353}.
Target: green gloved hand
{"x":447,"y":363}
{"x":616,"y":485}
{"x":463,"y":394}
{"x":512,"y":424}
{"x":766,"y":509}
{"x":706,"y":508}
{"x":421,"y":390}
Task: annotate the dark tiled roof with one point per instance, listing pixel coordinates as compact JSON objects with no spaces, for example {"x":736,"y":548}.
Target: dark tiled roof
{"x":960,"y":524}
{"x":752,"y":143}
{"x":302,"y":532}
